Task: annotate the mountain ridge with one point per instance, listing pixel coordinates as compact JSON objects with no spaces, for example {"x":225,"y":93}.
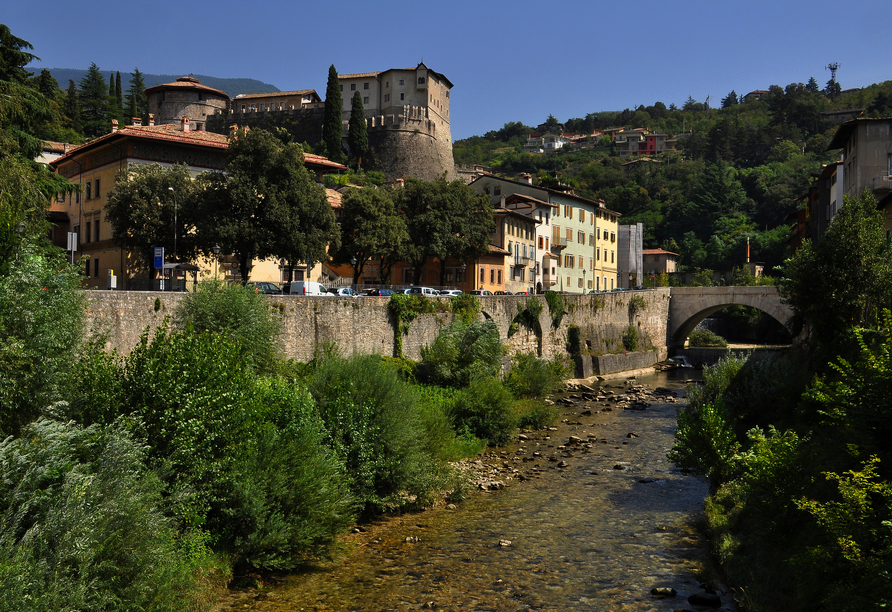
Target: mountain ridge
{"x":231,"y":86}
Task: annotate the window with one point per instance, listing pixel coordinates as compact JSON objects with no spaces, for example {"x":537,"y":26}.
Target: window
{"x":402,"y":96}
{"x":500,"y":278}
{"x":387,"y":97}
{"x":541,"y":242}
{"x":421,"y":80}
{"x":598,"y":283}
{"x":497,"y":190}
{"x":591,"y":240}
{"x":611,"y":283}
{"x":89,"y":192}
{"x":568,"y":211}
{"x":342,"y":89}
{"x":580,"y":237}
{"x":87,"y":234}
{"x":579,"y":282}
{"x":98,"y":194}
{"x":77,"y":196}
{"x":582,"y":215}
{"x":612,"y":237}
{"x":569,"y":235}
{"x":352,"y":86}
{"x":611,"y":256}
{"x":402,"y":82}
{"x":598,"y":254}
{"x":365,"y":100}
{"x":598,"y":233}
{"x":387,"y":85}
{"x":482,"y":275}
{"x":492,"y":276}
{"x":96,"y":230}
{"x":96,"y":267}
{"x":87,"y":269}
{"x":365,"y":85}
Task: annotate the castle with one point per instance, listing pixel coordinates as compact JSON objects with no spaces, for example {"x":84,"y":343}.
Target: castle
{"x":406,"y":109}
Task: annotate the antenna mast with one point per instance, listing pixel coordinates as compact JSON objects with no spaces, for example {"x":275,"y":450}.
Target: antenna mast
{"x":832,"y":67}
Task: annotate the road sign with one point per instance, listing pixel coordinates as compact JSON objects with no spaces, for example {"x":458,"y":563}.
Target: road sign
{"x":159,"y":258}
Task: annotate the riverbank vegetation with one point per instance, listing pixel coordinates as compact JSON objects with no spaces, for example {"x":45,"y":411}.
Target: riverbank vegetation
{"x":149,"y":480}
{"x":796,"y":446}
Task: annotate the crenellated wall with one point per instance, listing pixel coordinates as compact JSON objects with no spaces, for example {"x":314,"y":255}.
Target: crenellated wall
{"x":364,"y":325}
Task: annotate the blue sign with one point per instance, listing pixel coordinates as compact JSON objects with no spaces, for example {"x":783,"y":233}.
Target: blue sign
{"x":159,"y":258}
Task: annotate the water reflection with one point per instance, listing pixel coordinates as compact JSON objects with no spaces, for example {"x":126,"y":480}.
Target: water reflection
{"x":598,"y":534}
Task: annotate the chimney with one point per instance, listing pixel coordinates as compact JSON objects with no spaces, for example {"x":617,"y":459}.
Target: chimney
{"x":114,"y":125}
{"x":233,"y":128}
{"x":135,"y":121}
{"x":526,"y":178}
{"x":184,"y":122}
{"x":151,"y":119}
{"x":502,"y":201}
{"x":65,"y":147}
{"x":400,"y":182}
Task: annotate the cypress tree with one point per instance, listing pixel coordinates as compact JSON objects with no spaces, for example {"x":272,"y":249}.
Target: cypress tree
{"x":119,"y":93}
{"x":72,"y":107}
{"x":139,"y":103}
{"x":331,"y":126}
{"x":358,"y":135}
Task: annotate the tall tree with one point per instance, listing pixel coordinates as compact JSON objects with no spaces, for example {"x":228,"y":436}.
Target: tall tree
{"x":93,"y":100}
{"x":266,"y":204}
{"x":47,"y":85}
{"x":812,"y":86}
{"x":371,"y":230}
{"x":14,"y":57}
{"x":72,"y":108}
{"x":119,"y":93}
{"x":357,"y":134}
{"x":445,"y":220}
{"x":332,"y":127}
{"x":730,"y":100}
{"x":136,"y":96}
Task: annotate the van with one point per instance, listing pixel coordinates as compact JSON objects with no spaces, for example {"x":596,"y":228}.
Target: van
{"x":306,"y":288}
{"x":425,"y":291}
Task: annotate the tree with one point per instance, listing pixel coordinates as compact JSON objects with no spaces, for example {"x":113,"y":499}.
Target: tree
{"x":266,"y":204}
{"x":844,"y":281}
{"x":136,"y":96}
{"x":331,"y":125}
{"x":119,"y":94}
{"x":357,"y":134}
{"x":812,"y":86}
{"x":93,"y":100}
{"x":730,"y":100}
{"x":371,"y":229}
{"x":47,"y":85}
{"x":141,"y":210}
{"x":72,"y":107}
{"x":551,"y":125}
{"x":13,"y":57}
{"x":832,"y":89}
{"x":445,"y":220}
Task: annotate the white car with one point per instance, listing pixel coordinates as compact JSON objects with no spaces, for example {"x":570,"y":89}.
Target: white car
{"x":451,"y":292}
{"x":425,"y":291}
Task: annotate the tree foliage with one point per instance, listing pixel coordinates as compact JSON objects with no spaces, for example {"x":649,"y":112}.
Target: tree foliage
{"x":332,"y":125}
{"x":93,"y":100}
{"x":357,"y":135}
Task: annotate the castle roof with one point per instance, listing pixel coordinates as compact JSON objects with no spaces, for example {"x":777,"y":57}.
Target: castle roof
{"x":186,"y":83}
{"x":372,"y":75}
{"x":277,"y":94}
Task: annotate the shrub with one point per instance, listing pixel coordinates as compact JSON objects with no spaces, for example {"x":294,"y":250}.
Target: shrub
{"x":531,"y":377}
{"x":466,"y":307}
{"x":484,"y":409}
{"x":238,"y":313}
{"x":555,"y":308}
{"x":82,"y":527}
{"x":535,"y":414}
{"x":630,"y":338}
{"x":461,"y":352}
{"x":374,"y":426}
{"x":706,"y":338}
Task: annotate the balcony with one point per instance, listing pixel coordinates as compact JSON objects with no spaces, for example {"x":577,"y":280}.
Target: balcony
{"x":879,"y":183}
{"x":558,"y":244}
{"x":521,"y":261}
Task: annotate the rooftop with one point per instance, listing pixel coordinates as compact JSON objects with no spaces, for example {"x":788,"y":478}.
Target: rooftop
{"x":186,"y":82}
{"x":276,"y":94}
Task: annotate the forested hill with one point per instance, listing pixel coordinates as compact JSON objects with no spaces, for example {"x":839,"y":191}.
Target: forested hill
{"x":740,"y":170}
{"x":232,"y":87}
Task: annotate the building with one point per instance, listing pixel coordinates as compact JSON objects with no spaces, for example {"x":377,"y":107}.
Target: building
{"x":756,"y":94}
{"x":185,"y":97}
{"x":547,"y":143}
{"x":630,"y":272}
{"x":658,"y":261}
{"x":94,"y":166}
{"x":515,"y":232}
{"x":640,"y":141}
{"x":542,"y":212}
{"x":276,"y":101}
{"x":583,"y":236}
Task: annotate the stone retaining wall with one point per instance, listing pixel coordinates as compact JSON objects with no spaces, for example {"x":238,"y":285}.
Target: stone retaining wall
{"x":364,"y":325}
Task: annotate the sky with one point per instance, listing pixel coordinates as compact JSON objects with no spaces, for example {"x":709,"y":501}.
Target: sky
{"x":508,"y":61}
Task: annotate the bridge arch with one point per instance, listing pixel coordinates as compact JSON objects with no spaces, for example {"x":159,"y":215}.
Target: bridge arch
{"x":688,"y":306}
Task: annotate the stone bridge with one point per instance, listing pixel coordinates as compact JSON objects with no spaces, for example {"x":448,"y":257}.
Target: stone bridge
{"x":690,"y":305}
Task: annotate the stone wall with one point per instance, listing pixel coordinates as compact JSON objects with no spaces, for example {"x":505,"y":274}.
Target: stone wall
{"x":363,"y":325}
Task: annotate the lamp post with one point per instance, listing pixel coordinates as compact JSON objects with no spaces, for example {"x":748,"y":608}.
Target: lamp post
{"x":216,"y":250}
{"x":584,"y":287}
{"x":170,"y":189}
{"x":353,"y":265}
{"x":464,"y":267}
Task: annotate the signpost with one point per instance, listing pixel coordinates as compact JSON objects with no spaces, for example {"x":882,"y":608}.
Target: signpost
{"x":159,"y":263}
{"x":72,"y":244}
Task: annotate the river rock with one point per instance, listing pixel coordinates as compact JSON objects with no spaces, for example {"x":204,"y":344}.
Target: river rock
{"x":705,"y":599}
{"x":574,"y":440}
{"x":663,"y":592}
{"x":504,"y":543}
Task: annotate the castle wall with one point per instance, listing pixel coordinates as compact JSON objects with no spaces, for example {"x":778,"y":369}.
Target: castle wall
{"x":170,"y":105}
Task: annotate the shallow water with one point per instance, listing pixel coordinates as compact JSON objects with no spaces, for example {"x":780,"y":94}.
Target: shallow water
{"x":598,"y":534}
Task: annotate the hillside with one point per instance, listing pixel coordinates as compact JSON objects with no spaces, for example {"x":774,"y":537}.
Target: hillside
{"x":232,"y":87}
{"x":738,"y":172}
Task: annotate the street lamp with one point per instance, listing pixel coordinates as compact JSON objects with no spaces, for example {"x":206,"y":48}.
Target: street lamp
{"x":170,"y":189}
{"x":353,"y":264}
{"x":464,"y":267}
{"x":216,"y":250}
{"x":584,"y":287}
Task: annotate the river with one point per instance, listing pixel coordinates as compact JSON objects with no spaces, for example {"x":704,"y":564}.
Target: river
{"x":576,"y":528}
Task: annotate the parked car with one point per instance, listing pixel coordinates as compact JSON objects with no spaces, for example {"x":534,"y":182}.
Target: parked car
{"x":306,"y":288}
{"x":502,"y":293}
{"x":523,"y":293}
{"x":377,"y":292}
{"x":343,"y":292}
{"x":480,"y":292}
{"x":451,"y":292}
{"x":264,"y":287}
{"x":425,"y":291}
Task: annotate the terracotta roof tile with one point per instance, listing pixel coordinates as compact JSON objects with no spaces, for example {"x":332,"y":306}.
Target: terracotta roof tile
{"x":275,"y":94}
{"x":359,"y":75}
{"x":186,"y":83}
{"x":657,"y":252}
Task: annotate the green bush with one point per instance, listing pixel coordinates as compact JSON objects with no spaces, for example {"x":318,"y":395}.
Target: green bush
{"x":466,"y":307}
{"x":238,"y":313}
{"x":705,"y":338}
{"x":374,"y":426}
{"x":82,"y":527}
{"x":461,"y":352}
{"x":556,"y":308}
{"x":535,"y":414}
{"x":630,"y":338}
{"x":484,"y":409}
{"x":531,"y":377}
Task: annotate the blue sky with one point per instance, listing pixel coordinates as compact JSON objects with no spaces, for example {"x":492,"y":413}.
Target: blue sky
{"x":509,"y":61}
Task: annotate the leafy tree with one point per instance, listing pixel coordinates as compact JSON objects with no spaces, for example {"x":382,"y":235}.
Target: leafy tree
{"x":371,"y":229}
{"x":357,"y":134}
{"x":843,"y":281}
{"x":551,"y":125}
{"x":141,"y":211}
{"x":266,"y":204}
{"x":832,"y":89}
{"x":136,"y":96}
{"x":93,"y":101}
{"x":332,"y":122}
{"x":14,"y":57}
{"x":445,"y":220}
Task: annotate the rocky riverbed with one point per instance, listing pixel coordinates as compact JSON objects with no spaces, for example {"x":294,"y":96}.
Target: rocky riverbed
{"x":586,"y":515}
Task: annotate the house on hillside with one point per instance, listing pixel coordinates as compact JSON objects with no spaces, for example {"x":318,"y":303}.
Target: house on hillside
{"x":641,"y":141}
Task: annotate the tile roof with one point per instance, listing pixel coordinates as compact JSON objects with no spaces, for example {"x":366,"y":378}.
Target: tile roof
{"x":657,"y":252}
{"x":334,"y":197}
{"x":496,"y":250}
{"x":359,"y":75}
{"x":186,"y":82}
{"x":318,"y":160}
